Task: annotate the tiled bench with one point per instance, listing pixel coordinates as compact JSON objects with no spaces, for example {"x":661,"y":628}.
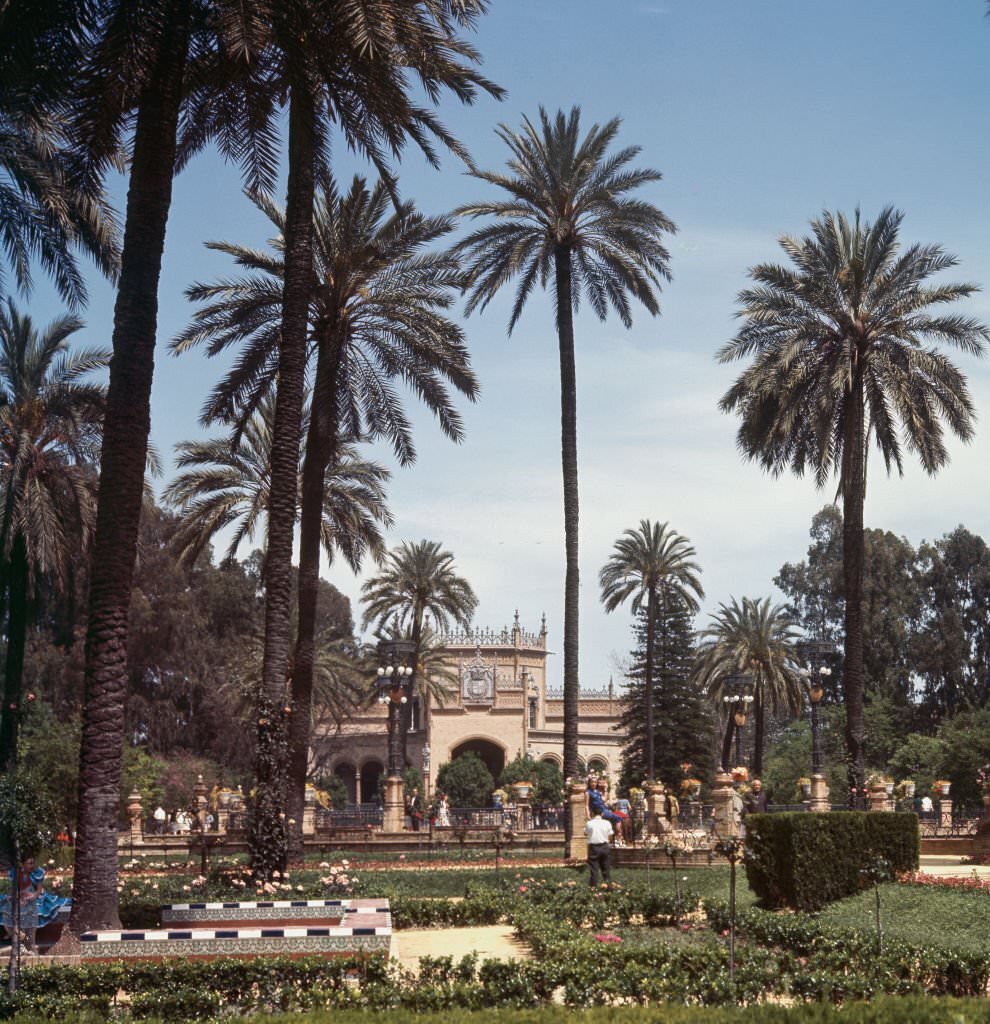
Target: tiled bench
{"x":263,"y":913}
{"x":209,"y":930}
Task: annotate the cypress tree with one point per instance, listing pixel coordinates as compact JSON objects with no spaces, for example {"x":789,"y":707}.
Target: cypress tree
{"x":682,"y":716}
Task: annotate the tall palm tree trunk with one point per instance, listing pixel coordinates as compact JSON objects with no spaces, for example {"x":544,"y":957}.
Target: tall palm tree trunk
{"x":568,"y":450}
{"x":267,"y":840}
{"x":651,"y":629}
{"x":17,"y":587}
{"x":853,"y":499}
{"x":320,"y":445}
{"x":125,"y":444}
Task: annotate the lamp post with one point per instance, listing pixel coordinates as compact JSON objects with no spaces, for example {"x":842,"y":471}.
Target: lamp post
{"x":395,"y":686}
{"x":736,"y":705}
{"x":815,"y":678}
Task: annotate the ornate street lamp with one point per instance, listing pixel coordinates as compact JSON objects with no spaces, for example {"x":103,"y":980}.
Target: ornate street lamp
{"x":816,"y":677}
{"x":395,"y":687}
{"x":736,"y":706}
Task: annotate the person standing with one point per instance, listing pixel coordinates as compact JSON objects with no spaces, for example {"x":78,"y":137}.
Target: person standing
{"x":598,"y":832}
{"x":415,"y":809}
{"x":443,"y":811}
{"x":160,"y":817}
{"x":755,"y":801}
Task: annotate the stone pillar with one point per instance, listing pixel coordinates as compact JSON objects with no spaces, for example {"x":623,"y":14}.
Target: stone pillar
{"x":134,"y":813}
{"x":726,"y":820}
{"x":656,"y":820}
{"x":199,"y":794}
{"x":820,"y":802}
{"x":223,"y":810}
{"x":577,"y":847}
{"x":877,"y":799}
{"x":395,"y":806}
{"x":945,"y":812}
{"x":309,"y":811}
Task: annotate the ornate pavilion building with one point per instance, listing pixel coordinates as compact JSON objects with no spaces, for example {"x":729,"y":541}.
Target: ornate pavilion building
{"x":501,"y":707}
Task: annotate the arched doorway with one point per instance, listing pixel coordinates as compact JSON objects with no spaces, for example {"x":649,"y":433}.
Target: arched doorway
{"x":371,"y":772}
{"x":490,"y":753}
{"x":597,"y":766}
{"x":347,"y":774}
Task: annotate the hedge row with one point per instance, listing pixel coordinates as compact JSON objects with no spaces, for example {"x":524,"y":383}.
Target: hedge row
{"x":805,"y":861}
{"x":791,"y":956}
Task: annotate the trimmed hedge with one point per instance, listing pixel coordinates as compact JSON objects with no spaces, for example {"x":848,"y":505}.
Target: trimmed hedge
{"x":805,"y":861}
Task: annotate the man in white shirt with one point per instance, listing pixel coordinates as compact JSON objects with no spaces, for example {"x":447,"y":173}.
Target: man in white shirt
{"x":598,"y":832}
{"x":160,"y":820}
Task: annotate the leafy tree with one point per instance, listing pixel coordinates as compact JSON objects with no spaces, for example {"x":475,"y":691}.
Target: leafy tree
{"x":654,"y":567}
{"x":568,"y":210}
{"x":681,"y":715}
{"x":837,"y":356}
{"x":466,"y":781}
{"x":892,"y":600}
{"x":50,"y":418}
{"x":48,"y":750}
{"x":814,"y":587}
{"x":754,"y":639}
{"x":951,"y":644}
{"x":547,"y":779}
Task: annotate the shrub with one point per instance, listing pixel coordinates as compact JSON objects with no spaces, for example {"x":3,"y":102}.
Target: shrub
{"x":466,"y":781}
{"x":807,"y":860}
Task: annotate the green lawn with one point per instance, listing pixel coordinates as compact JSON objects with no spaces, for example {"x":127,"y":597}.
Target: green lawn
{"x":921,"y":915}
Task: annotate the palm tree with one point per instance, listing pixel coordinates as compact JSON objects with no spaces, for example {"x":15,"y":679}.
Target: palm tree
{"x":838,"y":346}
{"x":651,"y":566}
{"x":344,"y":63}
{"x":226,"y":69}
{"x":378,"y":312}
{"x":755,"y":640}
{"x":416,"y":581}
{"x":225,"y":484}
{"x":47,"y":209}
{"x":568,"y":210}
{"x":50,"y":419}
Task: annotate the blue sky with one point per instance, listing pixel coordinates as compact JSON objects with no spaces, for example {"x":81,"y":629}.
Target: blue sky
{"x":759,"y":114}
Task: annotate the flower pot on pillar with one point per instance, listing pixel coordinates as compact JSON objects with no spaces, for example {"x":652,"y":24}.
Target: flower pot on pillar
{"x":656,"y":807}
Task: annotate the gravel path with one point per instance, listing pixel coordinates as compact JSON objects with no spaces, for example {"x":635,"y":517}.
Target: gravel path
{"x":490,"y":942}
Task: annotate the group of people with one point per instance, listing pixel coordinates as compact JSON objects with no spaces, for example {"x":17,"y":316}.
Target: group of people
{"x":180,"y":822}
{"x":607,"y":822}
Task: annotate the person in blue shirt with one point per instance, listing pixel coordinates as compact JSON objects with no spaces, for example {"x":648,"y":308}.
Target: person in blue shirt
{"x":596,"y":805}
